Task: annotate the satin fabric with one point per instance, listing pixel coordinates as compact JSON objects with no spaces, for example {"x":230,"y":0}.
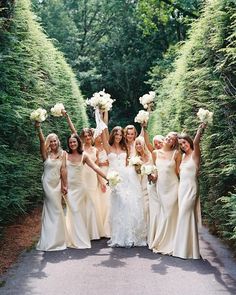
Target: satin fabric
{"x":77,"y":230}
{"x":167,"y":189}
{"x":53,"y":231}
{"x":186,"y":239}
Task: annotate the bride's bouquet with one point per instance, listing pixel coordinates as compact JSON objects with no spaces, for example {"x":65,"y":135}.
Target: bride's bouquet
{"x":56,"y":110}
{"x":113,"y":178}
{"x":142,"y":117}
{"x":38,"y":115}
{"x":147,"y":100}
{"x":137,"y":163}
{"x":205,"y":116}
{"x":101,"y":100}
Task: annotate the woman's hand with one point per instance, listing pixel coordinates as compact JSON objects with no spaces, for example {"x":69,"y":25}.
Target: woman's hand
{"x":64,"y":112}
{"x":103,"y":187}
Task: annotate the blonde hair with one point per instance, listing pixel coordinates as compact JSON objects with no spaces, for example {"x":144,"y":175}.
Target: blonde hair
{"x":145,"y":149}
{"x":130,"y":127}
{"x":47,"y":144}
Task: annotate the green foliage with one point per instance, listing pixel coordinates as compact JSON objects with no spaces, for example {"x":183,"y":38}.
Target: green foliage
{"x":33,"y":74}
{"x":204,"y":76}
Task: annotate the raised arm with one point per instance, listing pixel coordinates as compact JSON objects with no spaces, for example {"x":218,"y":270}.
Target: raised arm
{"x":105,"y":142}
{"x":43,"y":151}
{"x":146,"y":138}
{"x":91,"y":164}
{"x":104,"y":117}
{"x":196,"y":143}
{"x":70,"y":123}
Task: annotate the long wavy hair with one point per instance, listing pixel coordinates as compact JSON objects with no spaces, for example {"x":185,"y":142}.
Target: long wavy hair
{"x":80,"y":145}
{"x":90,"y":131}
{"x":188,"y":139}
{"x":47,"y":144}
{"x":114,"y":131}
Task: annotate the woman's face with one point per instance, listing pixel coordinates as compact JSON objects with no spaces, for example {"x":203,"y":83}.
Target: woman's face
{"x":53,"y":143}
{"x":138,"y":146}
{"x":184,"y":145}
{"x":98,"y":140}
{"x":158,"y":144}
{"x":73,"y":144}
{"x":130,"y":135}
{"x":87,"y":138}
{"x":170,"y":139}
{"x":118,"y":136}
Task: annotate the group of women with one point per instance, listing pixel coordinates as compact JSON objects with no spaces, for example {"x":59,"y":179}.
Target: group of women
{"x":159,"y":210}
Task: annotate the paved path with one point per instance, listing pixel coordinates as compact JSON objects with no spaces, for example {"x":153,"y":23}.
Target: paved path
{"x":137,"y":271}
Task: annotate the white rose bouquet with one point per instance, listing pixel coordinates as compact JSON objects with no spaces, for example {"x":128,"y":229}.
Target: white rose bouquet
{"x":148,"y":169}
{"x":113,"y":178}
{"x":205,"y":116}
{"x":136,"y":162}
{"x":38,"y":115}
{"x":56,"y":110}
{"x":147,"y":100}
{"x":142,"y":117}
{"x":101,"y":100}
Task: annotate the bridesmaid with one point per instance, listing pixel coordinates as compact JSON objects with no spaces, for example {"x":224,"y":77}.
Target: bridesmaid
{"x":53,"y":232}
{"x":130,"y":135}
{"x":167,"y":161}
{"x":157,"y":140}
{"x":92,"y":215}
{"x":104,"y":190}
{"x":146,"y":157}
{"x":186,"y":243}
{"x":79,"y":236}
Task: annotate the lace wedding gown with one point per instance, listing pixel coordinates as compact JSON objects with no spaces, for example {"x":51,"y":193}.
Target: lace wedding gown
{"x":127,"y":213}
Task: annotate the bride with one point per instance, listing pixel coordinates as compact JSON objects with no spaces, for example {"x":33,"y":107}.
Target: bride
{"x":127,"y":217}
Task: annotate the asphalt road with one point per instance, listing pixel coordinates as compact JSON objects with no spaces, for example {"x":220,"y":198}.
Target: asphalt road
{"x":112,"y":271}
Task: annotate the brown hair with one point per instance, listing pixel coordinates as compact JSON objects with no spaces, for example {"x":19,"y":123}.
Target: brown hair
{"x":188,"y":139}
{"x":90,"y":131}
{"x":79,"y":148}
{"x":114,"y":131}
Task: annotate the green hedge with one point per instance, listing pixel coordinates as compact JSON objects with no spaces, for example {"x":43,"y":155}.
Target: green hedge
{"x":33,"y":74}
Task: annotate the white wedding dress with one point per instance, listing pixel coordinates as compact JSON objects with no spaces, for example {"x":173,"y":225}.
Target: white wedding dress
{"x":128,"y":227}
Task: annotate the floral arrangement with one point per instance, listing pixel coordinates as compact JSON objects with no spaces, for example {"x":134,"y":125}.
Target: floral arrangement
{"x":148,"y":169}
{"x":56,"y":110}
{"x":147,"y":100}
{"x":205,"y":116}
{"x":101,"y":100}
{"x":113,"y":178}
{"x":142,"y":117}
{"x":136,"y":162}
{"x":38,"y":115}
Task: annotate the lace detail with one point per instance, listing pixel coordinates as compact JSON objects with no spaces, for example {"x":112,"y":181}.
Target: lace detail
{"x":127,"y":212}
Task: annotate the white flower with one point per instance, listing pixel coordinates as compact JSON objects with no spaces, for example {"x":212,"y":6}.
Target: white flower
{"x":38,"y":115}
{"x":113,"y":178}
{"x":142,"y":117}
{"x":56,"y":110}
{"x":135,"y":160}
{"x":148,"y":169}
{"x":147,"y":99}
{"x":101,"y":100}
{"x":205,"y":116}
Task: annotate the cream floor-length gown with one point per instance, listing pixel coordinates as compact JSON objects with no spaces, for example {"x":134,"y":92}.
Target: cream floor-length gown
{"x":93,"y":218}
{"x":167,"y":189}
{"x":53,"y":232}
{"x":104,"y":199}
{"x":77,"y":230}
{"x":186,"y":239}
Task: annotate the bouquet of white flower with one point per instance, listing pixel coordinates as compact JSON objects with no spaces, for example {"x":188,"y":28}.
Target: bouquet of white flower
{"x":38,"y":115}
{"x":101,"y":100}
{"x":56,"y":110}
{"x":147,"y":100}
{"x":205,"y":116}
{"x":148,"y":169}
{"x":113,"y":178}
{"x":136,"y":162}
{"x":142,"y":117}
